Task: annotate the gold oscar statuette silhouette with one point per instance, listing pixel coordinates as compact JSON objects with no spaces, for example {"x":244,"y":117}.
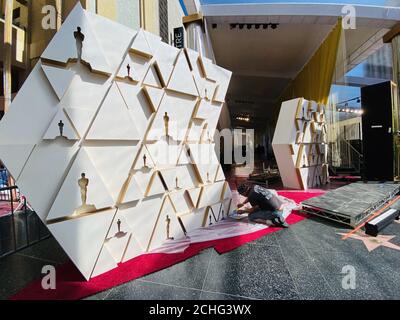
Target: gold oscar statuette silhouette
{"x":79,"y":37}
{"x":83,"y":184}
{"x":168,"y":222}
{"x":145,"y":161}
{"x":61,"y":128}
{"x":166,"y":124}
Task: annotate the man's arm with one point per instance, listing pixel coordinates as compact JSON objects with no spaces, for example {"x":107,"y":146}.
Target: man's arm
{"x":248,"y":210}
{"x":243,"y":203}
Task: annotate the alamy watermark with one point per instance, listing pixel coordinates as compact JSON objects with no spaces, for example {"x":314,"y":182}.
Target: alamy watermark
{"x":349,"y":278}
{"x":49,"y":278}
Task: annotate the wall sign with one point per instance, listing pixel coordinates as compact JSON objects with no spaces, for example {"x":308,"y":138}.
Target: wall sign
{"x":179,"y":40}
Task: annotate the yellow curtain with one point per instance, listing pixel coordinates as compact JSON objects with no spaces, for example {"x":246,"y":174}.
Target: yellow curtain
{"x":314,"y":80}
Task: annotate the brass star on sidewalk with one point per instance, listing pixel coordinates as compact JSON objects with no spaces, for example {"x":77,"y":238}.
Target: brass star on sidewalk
{"x":374,"y":242}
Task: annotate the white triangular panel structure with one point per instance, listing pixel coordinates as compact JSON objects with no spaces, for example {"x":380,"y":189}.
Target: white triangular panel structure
{"x":61,"y":127}
{"x":211,"y":194}
{"x":113,"y":121}
{"x":63,"y":47}
{"x":128,"y":116}
{"x":80,"y":118}
{"x":142,"y":219}
{"x":195,"y":196}
{"x":113,"y":164}
{"x":154,"y":95}
{"x":179,"y":109}
{"x":134,"y":67}
{"x":83,"y":238}
{"x":164,"y":153}
{"x":87,"y":89}
{"x":153,"y":41}
{"x":167,"y":227}
{"x":133,"y":249}
{"x":139,"y":107}
{"x":69,"y":199}
{"x":17,"y":126}
{"x":152,"y":78}
{"x":59,"y":78}
{"x":194,"y":220}
{"x":140,"y":45}
{"x":113,"y":37}
{"x":48,"y":164}
{"x":181,"y":79}
{"x":181,"y":201}
{"x":118,"y":237}
{"x":14,"y":157}
{"x":298,"y":147}
{"x":105,"y":262}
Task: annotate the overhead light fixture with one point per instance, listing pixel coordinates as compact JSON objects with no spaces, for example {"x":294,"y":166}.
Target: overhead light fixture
{"x":214,"y":26}
{"x":265,"y":25}
{"x":274,"y":25}
{"x":233,"y":25}
{"x":249,"y":26}
{"x":245,"y":118}
{"x":241,"y":25}
{"x":257,"y":26}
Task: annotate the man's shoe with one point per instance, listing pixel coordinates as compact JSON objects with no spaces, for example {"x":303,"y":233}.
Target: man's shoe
{"x":280,"y":223}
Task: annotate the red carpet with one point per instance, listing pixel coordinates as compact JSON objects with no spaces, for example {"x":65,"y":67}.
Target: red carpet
{"x":72,"y":286}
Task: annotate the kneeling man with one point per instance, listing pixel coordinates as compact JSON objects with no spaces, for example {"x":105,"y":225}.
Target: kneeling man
{"x":264,"y":205}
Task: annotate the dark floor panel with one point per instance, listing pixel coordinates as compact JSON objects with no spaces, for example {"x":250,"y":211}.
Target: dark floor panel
{"x":17,"y":272}
{"x":309,"y":281}
{"x":251,"y":271}
{"x":377,"y":275}
{"x":139,"y":290}
{"x":267,"y":240}
{"x":189,"y":273}
{"x":219,"y":296}
{"x":48,"y":250}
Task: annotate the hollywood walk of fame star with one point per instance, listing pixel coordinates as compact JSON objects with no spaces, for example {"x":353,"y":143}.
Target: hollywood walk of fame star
{"x":374,"y":242}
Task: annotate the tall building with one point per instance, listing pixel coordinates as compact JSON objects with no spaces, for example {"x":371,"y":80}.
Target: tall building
{"x":34,"y":23}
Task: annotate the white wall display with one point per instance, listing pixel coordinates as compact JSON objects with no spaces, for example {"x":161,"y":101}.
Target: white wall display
{"x":139,"y":106}
{"x":179,"y":109}
{"x":74,"y":199}
{"x":60,"y":79}
{"x":113,"y":121}
{"x":167,"y":226}
{"x":61,"y":127}
{"x":100,"y":149}
{"x":300,"y":148}
{"x":181,"y":78}
{"x":83,"y":238}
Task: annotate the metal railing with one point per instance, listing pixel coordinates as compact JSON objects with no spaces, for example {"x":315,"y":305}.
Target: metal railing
{"x":20,"y":227}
